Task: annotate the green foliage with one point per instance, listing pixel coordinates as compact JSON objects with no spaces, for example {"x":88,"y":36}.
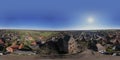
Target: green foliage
{"x":109,"y":50}
{"x":45,"y":50}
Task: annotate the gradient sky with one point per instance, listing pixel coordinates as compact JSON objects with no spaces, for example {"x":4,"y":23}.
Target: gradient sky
{"x":59,"y":14}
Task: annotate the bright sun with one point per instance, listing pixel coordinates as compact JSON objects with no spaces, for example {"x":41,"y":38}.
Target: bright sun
{"x":90,"y":20}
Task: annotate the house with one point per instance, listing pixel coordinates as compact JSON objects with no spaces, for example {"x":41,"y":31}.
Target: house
{"x":100,"y":48}
{"x":72,"y":46}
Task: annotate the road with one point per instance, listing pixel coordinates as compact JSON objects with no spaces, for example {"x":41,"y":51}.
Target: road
{"x":7,"y":57}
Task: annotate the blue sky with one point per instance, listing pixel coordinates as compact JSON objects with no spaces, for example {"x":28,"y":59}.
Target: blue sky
{"x":59,"y":14}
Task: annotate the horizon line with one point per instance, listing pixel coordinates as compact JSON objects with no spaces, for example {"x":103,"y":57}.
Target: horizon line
{"x":59,"y":29}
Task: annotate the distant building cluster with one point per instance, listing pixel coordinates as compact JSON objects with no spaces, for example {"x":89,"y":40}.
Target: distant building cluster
{"x":64,"y":42}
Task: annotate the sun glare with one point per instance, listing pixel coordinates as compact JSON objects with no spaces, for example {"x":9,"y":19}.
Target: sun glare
{"x":90,"y":20}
